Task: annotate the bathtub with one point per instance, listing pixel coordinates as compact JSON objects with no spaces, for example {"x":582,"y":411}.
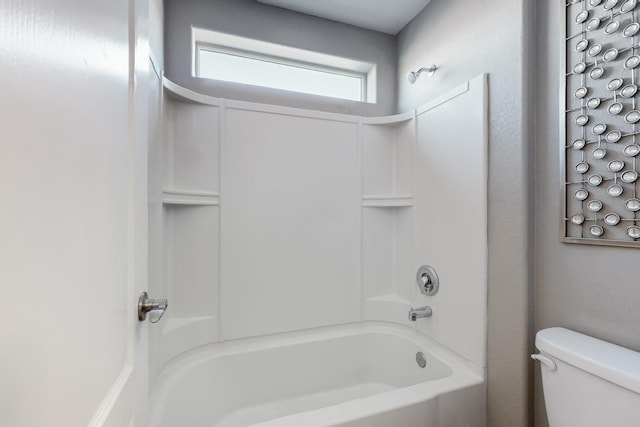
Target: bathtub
{"x":361,"y":375}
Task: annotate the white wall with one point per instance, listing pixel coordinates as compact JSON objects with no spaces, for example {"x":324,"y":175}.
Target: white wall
{"x":290,"y":223}
{"x":464,"y":39}
{"x":255,"y":20}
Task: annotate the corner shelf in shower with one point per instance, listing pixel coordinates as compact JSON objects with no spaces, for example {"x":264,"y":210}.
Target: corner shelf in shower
{"x":190,"y":198}
{"x":387,"y":201}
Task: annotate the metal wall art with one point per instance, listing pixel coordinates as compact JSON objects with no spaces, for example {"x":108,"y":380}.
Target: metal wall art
{"x":600,"y":133}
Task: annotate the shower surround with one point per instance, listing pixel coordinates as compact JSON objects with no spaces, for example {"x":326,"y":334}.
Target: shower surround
{"x":269,"y":221}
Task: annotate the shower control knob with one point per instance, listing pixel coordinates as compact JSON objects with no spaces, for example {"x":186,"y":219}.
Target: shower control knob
{"x":428,"y":281}
{"x":155,"y":308}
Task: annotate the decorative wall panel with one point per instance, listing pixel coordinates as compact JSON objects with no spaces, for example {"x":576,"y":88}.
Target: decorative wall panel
{"x":600,"y":130}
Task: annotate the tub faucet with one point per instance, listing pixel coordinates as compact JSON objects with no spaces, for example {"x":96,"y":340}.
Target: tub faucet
{"x":420,"y":312}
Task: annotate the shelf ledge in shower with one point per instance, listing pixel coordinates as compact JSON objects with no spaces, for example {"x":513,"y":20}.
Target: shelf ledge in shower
{"x":389,"y":120}
{"x":387,"y":201}
{"x":190,"y":198}
{"x":180,"y":93}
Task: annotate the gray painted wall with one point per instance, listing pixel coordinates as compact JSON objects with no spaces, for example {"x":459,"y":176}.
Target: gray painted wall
{"x":465,"y":39}
{"x":590,"y":289}
{"x":250,"y":19}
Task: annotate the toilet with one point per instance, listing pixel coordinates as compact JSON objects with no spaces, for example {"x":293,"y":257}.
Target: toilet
{"x":588,"y":382}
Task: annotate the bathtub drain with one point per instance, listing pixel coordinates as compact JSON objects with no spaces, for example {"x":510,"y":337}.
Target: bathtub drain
{"x":421,"y":359}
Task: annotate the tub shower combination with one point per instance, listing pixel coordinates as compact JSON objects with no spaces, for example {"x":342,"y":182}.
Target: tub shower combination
{"x":290,"y":243}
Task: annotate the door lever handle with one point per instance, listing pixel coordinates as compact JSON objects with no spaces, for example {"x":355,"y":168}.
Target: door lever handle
{"x":154,"y":307}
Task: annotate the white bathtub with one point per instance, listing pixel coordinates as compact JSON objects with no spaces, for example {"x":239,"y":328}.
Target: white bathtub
{"x":362,"y":375}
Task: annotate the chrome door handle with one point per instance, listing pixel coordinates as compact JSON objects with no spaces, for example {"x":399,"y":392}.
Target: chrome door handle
{"x":154,"y":307}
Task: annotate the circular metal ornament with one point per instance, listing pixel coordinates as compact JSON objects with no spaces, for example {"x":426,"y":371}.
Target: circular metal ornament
{"x":595,"y":180}
{"x":632,"y":116}
{"x":593,"y":103}
{"x":615,"y":84}
{"x":628,"y":91}
{"x":594,"y":3}
{"x":599,"y":129}
{"x":628,"y":6}
{"x":593,"y":24}
{"x":632,"y":62}
{"x":577,"y":219}
{"x":631,"y":150}
{"x":596,"y":73}
{"x":582,"y":120}
{"x":610,"y":55}
{"x":613,"y":136}
{"x":581,"y":194}
{"x":578,"y":144}
{"x":582,"y":167}
{"x":612,"y":219}
{"x":612,"y":27}
{"x":596,"y":230}
{"x":633,"y":205}
{"x":579,"y":68}
{"x":599,"y":153}
{"x":615,"y":165}
{"x":595,"y":206}
{"x":633,"y":231}
{"x":629,"y":176}
{"x":615,"y":108}
{"x":582,"y":17}
{"x":608,"y":5}
{"x":629,"y":31}
{"x":581,"y":92}
{"x":593,"y":50}
{"x":582,"y":45}
{"x":615,"y":190}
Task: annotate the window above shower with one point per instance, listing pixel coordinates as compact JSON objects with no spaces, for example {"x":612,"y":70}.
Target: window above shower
{"x":242,"y":60}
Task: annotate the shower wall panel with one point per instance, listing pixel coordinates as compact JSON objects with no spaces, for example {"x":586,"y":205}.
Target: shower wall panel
{"x":290,"y":223}
{"x":451,"y":216}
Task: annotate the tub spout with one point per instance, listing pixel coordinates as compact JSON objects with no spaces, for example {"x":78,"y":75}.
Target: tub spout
{"x":419,"y":313}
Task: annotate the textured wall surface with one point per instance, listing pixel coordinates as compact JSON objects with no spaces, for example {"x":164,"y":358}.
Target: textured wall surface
{"x":465,"y":40}
{"x":590,"y":289}
{"x":250,"y":19}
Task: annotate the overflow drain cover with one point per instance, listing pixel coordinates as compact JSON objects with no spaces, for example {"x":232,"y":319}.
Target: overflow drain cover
{"x":421,"y":359}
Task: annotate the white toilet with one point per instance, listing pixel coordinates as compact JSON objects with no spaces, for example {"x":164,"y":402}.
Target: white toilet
{"x":588,"y":382}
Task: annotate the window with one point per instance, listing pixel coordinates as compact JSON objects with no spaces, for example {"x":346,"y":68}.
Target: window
{"x":241,"y":60}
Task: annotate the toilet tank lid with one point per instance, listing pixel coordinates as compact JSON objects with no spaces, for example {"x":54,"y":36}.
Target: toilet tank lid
{"x":611,"y":362}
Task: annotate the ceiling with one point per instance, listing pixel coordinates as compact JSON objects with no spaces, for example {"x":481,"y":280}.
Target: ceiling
{"x":380,"y":15}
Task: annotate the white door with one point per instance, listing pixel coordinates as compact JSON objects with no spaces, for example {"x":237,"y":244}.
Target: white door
{"x":72,"y":213}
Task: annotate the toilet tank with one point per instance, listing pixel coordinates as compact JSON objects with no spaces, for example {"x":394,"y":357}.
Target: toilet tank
{"x":588,"y":382}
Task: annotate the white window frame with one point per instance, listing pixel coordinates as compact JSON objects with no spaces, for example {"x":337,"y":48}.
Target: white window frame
{"x":264,"y":51}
